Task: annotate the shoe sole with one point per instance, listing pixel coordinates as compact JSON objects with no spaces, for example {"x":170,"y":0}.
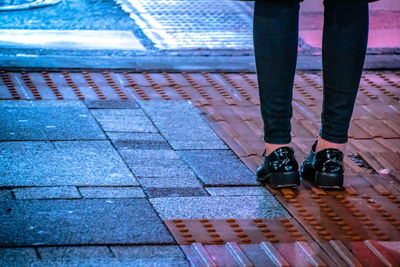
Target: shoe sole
{"x":281,"y":179}
{"x":326,"y":180}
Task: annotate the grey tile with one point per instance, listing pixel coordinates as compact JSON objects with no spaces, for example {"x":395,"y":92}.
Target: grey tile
{"x":20,"y":124}
{"x":218,"y":167}
{"x":238,"y":191}
{"x":179,"y":122}
{"x":58,"y":253}
{"x":79,"y":262}
{"x":17,"y":256}
{"x":198,"y":144}
{"x":40,"y":103}
{"x":156,"y":163}
{"x":163,"y":182}
{"x":111,"y":104}
{"x":15,"y":104}
{"x":72,"y":256}
{"x":134,"y":262}
{"x":5,"y":194}
{"x":175,"y":192}
{"x":103,"y":144}
{"x":69,"y":123}
{"x":240,"y":207}
{"x":153,"y":251}
{"x":124,"y":120}
{"x":111,"y":192}
{"x":52,"y":192}
{"x":47,"y":120}
{"x":139,"y":141}
{"x":87,"y":221}
{"x":41,"y":164}
{"x":153,"y":255}
{"x":135,"y":136}
{"x":172,"y":187}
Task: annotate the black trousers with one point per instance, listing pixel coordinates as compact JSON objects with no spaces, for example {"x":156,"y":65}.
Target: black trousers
{"x":344,"y":44}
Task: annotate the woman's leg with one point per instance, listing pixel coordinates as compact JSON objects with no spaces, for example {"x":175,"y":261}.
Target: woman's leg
{"x":275,"y":44}
{"x":344,"y":46}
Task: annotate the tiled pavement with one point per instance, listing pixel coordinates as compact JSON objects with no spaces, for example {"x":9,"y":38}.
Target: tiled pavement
{"x":143,"y":177}
{"x":77,"y":183}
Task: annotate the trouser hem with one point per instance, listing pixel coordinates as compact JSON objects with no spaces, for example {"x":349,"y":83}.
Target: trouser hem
{"x":277,"y":141}
{"x":333,"y":139}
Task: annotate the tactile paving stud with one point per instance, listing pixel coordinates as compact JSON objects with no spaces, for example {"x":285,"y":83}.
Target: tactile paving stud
{"x":249,"y":80}
{"x":93,"y":85}
{"x":156,"y":86}
{"x":52,"y":86}
{"x":246,"y":231}
{"x":114,"y":85}
{"x":10,"y":85}
{"x":73,"y":86}
{"x":132,"y":83}
{"x":220,"y":89}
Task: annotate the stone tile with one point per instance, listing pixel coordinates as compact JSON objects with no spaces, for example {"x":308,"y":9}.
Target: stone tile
{"x":6,"y":194}
{"x":39,"y":103}
{"x":103,"y":144}
{"x":172,"y":187}
{"x":51,"y":192}
{"x":153,"y":255}
{"x":238,"y":191}
{"x":123,"y":120}
{"x":68,"y":123}
{"x":111,"y":104}
{"x":216,"y":207}
{"x":149,"y":141}
{"x":111,"y":192}
{"x":42,"y":164}
{"x":58,"y":253}
{"x":175,"y":192}
{"x":87,"y":221}
{"x":137,"y":262}
{"x":48,"y":120}
{"x":135,"y":136}
{"x":218,"y":167}
{"x":199,"y":144}
{"x":156,"y":163}
{"x":169,"y":182}
{"x":141,"y":144}
{"x":153,"y":251}
{"x":80,"y":262}
{"x":181,"y":124}
{"x":17,"y":256}
{"x":20,"y":124}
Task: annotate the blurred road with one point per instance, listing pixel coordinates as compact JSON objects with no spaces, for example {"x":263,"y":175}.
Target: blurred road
{"x":157,"y":35}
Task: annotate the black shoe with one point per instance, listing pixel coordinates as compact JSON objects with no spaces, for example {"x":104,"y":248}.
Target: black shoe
{"x":280,"y":168}
{"x":324,"y":168}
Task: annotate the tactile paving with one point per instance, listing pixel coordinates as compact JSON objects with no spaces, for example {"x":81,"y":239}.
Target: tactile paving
{"x":246,"y":231}
{"x":360,"y":225}
{"x":299,"y":253}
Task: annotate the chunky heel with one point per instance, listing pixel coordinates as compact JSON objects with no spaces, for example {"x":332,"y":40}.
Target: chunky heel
{"x":284,"y":179}
{"x":328,"y":180}
{"x":279,"y":168}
